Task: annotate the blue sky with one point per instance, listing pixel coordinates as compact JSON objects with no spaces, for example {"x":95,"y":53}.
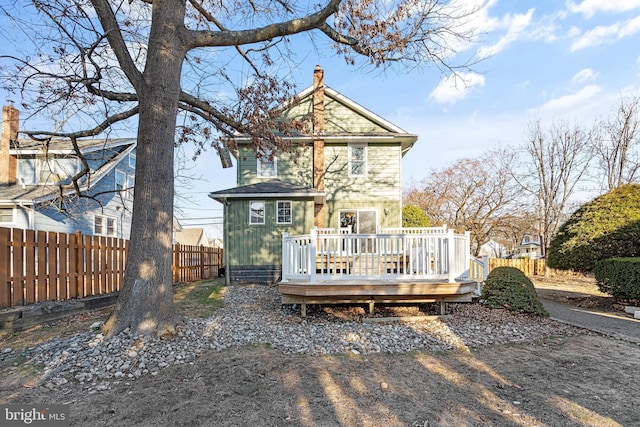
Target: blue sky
{"x":551,"y":60}
{"x":569,"y":60}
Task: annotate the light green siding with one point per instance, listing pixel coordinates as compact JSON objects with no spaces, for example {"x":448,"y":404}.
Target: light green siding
{"x":293,"y":167}
{"x":261,"y":244}
{"x":381,"y":182}
{"x":341,"y":119}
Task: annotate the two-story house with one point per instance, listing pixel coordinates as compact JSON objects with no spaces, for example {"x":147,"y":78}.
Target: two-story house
{"x":346,"y":173}
{"x":35,"y":183}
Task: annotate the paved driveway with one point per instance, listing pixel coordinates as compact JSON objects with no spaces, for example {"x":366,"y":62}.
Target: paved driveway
{"x":606,"y":323}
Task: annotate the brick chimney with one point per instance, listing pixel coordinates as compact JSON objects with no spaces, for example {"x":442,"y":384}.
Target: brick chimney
{"x":8,"y":163}
{"x":318,"y":141}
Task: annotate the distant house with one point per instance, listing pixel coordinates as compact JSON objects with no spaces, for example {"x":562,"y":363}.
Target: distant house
{"x":35,"y":183}
{"x":344,"y":174}
{"x":493,"y":249}
{"x":192,"y":237}
{"x":530,"y":246}
{"x":216,"y":242}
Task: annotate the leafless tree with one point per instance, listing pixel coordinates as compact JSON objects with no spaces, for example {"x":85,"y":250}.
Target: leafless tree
{"x":554,"y":162}
{"x":221,"y":65}
{"x":617,"y":147}
{"x":472,"y":195}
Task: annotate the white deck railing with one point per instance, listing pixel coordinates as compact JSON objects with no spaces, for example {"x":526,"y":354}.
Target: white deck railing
{"x":391,"y":254}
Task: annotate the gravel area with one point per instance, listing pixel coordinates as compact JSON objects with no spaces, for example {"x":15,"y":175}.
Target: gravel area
{"x":253,"y":315}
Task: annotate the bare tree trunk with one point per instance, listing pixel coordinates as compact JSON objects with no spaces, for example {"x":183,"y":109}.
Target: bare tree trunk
{"x":145,"y":304}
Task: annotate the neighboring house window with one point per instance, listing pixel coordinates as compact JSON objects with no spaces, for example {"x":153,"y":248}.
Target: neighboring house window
{"x":132,"y":161}
{"x":284,"y":212}
{"x":56,"y":169}
{"x":130,"y":183}
{"x":104,"y":226}
{"x":256,"y":212}
{"x":357,"y":160}
{"x":267,"y":168}
{"x":6,"y":215}
{"x":27,"y":171}
{"x":121,"y":180}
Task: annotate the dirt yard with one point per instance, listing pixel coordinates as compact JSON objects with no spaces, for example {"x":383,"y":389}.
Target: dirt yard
{"x":587,"y":380}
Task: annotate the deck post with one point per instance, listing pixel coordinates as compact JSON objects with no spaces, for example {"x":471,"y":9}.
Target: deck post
{"x":311,"y":263}
{"x":451,"y":255}
{"x":485,"y":267}
{"x":286,"y":259}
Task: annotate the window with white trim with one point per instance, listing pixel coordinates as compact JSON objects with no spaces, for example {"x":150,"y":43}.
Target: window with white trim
{"x":104,"y":226}
{"x":132,"y":161}
{"x":357,"y":160}
{"x":256,"y":212}
{"x":267,"y":166}
{"x":7,"y":215}
{"x":283,"y":209}
{"x":130,"y":183}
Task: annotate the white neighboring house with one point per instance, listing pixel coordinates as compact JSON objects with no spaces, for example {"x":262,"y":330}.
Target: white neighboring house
{"x":530,"y":246}
{"x":493,"y":249}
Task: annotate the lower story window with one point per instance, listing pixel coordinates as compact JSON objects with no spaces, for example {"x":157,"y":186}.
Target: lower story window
{"x":284,"y":212}
{"x":6,"y":215}
{"x":256,"y":212}
{"x":104,"y":226}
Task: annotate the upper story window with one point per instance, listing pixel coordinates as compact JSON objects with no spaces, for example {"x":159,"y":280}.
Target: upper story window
{"x":256,"y":212}
{"x":121,"y":181}
{"x":283,"y":212}
{"x":130,"y":183}
{"x":6,"y":216}
{"x":104,"y":226}
{"x":357,"y":160}
{"x":132,"y":161}
{"x":267,"y":167}
{"x":56,"y":169}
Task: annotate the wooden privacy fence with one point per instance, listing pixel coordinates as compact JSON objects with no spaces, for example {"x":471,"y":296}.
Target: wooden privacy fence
{"x":191,"y":263}
{"x":530,"y":267}
{"x":37,"y":266}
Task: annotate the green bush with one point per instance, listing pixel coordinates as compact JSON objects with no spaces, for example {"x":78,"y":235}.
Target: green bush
{"x":619,"y":277}
{"x":413,"y":216}
{"x":606,"y":227}
{"x":508,"y":287}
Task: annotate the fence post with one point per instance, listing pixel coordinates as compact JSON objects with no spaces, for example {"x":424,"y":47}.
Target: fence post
{"x":5,"y":268}
{"x":202,"y":262}
{"x":176,"y":262}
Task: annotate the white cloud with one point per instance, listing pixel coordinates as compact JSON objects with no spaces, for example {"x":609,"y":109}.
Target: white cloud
{"x":590,"y":7}
{"x":607,"y":34}
{"x":571,"y":102}
{"x":584,"y":75}
{"x":516,"y":24}
{"x":456,"y":87}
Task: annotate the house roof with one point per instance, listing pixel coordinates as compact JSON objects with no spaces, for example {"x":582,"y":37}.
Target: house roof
{"x":378,"y":130}
{"x":64,"y":146}
{"x":191,"y":236}
{"x":274,"y":188}
{"x":29,"y":194}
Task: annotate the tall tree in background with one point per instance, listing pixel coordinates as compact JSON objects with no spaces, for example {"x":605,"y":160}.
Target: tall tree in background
{"x":219,"y":64}
{"x":554,"y":162}
{"x":617,"y":148}
{"x":472,"y":195}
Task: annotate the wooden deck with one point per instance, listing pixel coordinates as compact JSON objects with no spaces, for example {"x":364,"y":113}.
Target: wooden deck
{"x":375,"y":291}
{"x":407,"y":265}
